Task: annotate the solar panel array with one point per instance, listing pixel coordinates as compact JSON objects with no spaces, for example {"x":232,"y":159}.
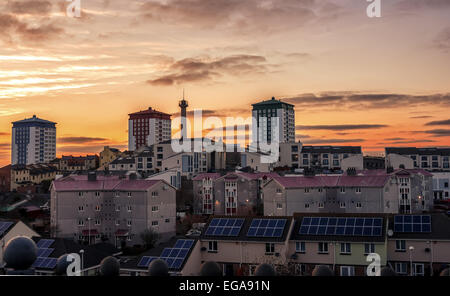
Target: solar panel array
{"x":225,"y":227}
{"x":4,"y":226}
{"x":412,"y":223}
{"x":43,"y":261}
{"x":173,"y":256}
{"x":266,"y":227}
{"x":348,"y":226}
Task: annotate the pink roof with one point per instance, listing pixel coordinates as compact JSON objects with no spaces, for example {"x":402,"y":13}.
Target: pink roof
{"x":380,"y":172}
{"x":200,"y":177}
{"x":332,"y":181}
{"x":107,"y":184}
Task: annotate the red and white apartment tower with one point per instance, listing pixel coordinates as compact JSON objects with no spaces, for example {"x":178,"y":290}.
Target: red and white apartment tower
{"x":149,"y":127}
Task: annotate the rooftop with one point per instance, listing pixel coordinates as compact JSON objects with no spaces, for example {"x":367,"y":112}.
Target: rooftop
{"x":332,"y":149}
{"x":81,"y":183}
{"x":272,"y":101}
{"x":417,"y":151}
{"x":34,"y":119}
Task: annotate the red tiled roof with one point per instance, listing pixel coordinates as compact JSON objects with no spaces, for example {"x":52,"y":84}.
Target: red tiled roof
{"x":332,"y":181}
{"x":106,"y":183}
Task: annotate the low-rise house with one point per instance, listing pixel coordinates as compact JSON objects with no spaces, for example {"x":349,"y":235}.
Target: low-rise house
{"x":401,"y":191}
{"x":107,"y":155}
{"x":441,"y":187}
{"x":331,"y":157}
{"x":76,"y":163}
{"x":173,"y":177}
{"x":10,"y":229}
{"x":419,"y":245}
{"x":93,"y":208}
{"x":127,"y":163}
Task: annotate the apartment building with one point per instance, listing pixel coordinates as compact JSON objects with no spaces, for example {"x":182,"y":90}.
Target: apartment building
{"x":33,"y":141}
{"x":236,"y":193}
{"x":125,"y":163}
{"x":23,"y":175}
{"x":69,"y":163}
{"x":148,"y":127}
{"x":329,"y":157}
{"x":372,"y":191}
{"x":431,"y":159}
{"x":113,"y":209}
{"x":107,"y":155}
{"x":267,"y":111}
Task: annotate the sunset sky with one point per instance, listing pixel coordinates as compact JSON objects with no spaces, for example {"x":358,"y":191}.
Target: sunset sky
{"x":354,"y":80}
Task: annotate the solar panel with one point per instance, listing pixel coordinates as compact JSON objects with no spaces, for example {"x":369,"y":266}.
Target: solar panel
{"x":42,"y":262}
{"x":44,"y":252}
{"x":146,"y":260}
{"x":349,"y":226}
{"x":412,"y":223}
{"x":175,"y":256}
{"x":266,"y":227}
{"x":45,"y":243}
{"x":4,"y":226}
{"x":224,"y":227}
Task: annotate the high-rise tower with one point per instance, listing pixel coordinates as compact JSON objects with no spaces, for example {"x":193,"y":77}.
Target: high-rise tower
{"x":183,"y":105}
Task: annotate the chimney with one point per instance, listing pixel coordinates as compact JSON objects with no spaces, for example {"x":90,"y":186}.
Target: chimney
{"x":92,"y":176}
{"x":132,"y":176}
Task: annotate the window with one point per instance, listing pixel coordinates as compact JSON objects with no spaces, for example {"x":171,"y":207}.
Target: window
{"x":117,"y":194}
{"x":418,"y":269}
{"x":400,"y":246}
{"x":306,"y":190}
{"x":212,"y":247}
{"x":97,"y":222}
{"x":347,"y":271}
{"x":320,"y":190}
{"x":80,"y":194}
{"x":117,"y":208}
{"x":97,"y":194}
{"x":300,"y":247}
{"x":97,"y":208}
{"x":346,"y":248}
{"x":323,"y":248}
{"x":167,"y":220}
{"x":358,"y":189}
{"x":80,"y":222}
{"x":129,"y":222}
{"x":342,"y":189}
{"x":358,"y":205}
{"x":129,"y":238}
{"x":306,"y":205}
{"x":81,"y":209}
{"x":155,"y":208}
{"x":342,"y":205}
{"x":279,"y":206}
{"x":279,"y":190}
{"x":325,"y":162}
{"x":270,"y":248}
{"x":320,"y":205}
{"x":401,"y":267}
{"x":155,"y":223}
{"x":117,"y":222}
{"x":154,"y":193}
{"x":129,"y":208}
{"x":369,"y":248}
{"x":129,"y":194}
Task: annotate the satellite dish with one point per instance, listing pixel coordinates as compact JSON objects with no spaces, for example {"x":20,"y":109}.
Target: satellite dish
{"x":390,"y":232}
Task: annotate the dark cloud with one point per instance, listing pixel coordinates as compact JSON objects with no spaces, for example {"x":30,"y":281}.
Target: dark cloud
{"x":407,"y":142}
{"x":438,"y":132}
{"x":442,"y":40}
{"x":80,"y":140}
{"x":5,"y":146}
{"x":332,"y":141}
{"x":35,"y":7}
{"x":421,"y":117}
{"x":242,"y":16}
{"x":11,"y":26}
{"x":439,"y":122}
{"x":4,"y":134}
{"x":343,"y":127}
{"x":395,"y":139}
{"x":205,"y":68}
{"x":351,"y":100}
{"x":89,"y":149}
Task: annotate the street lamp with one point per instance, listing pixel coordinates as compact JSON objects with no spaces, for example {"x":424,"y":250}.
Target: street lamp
{"x":411,"y":249}
{"x":82,"y":261}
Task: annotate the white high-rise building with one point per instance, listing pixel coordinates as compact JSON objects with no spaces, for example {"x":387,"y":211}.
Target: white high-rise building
{"x":33,"y":141}
{"x":149,"y":127}
{"x":267,"y":111}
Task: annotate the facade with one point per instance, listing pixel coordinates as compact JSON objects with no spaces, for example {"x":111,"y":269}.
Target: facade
{"x":431,"y":159}
{"x":173,"y":177}
{"x":233,"y":194}
{"x":69,"y":163}
{"x":330,"y":157}
{"x":254,"y":161}
{"x":149,"y":127}
{"x":126,"y":163}
{"x":107,"y":155}
{"x":374,"y":163}
{"x":419,"y":252}
{"x":33,"y":141}
{"x":113,"y":209}
{"x":5,"y":178}
{"x":441,"y":189}
{"x":402,"y":191}
{"x":25,"y":175}
{"x":265,"y":112}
